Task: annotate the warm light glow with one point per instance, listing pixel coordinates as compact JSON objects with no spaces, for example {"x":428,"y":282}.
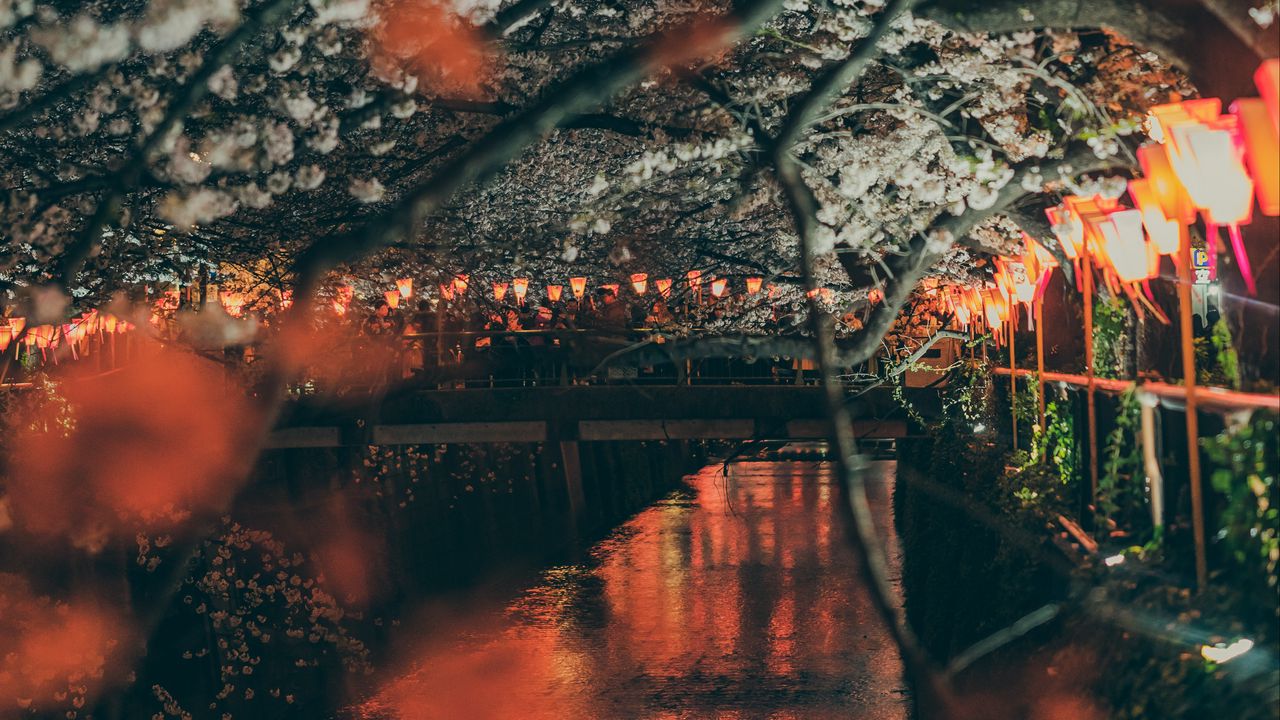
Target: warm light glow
{"x":1114,"y":560}
{"x":612,"y":288}
{"x":579,"y":286}
{"x":811,"y":293}
{"x":1262,"y":151}
{"x":718,"y":287}
{"x":695,"y":279}
{"x":499,"y":291}
{"x":405,"y":287}
{"x":1125,"y":245}
{"x":875,"y":296}
{"x":1267,"y":78}
{"x":1169,"y":193}
{"x":233,"y":303}
{"x":640,"y":283}
{"x":753,"y":285}
{"x":460,"y":284}
{"x":1209,"y":167}
{"x":664,"y":287}
{"x":392,"y":298}
{"x":554,"y":292}
{"x":520,"y":288}
{"x":1222,"y":653}
{"x":1068,"y":229}
{"x":1165,"y":233}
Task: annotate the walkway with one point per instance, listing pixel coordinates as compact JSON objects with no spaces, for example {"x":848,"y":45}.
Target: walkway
{"x":737,"y":601}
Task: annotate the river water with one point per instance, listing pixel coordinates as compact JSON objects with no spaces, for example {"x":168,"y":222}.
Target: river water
{"x":737,"y":600}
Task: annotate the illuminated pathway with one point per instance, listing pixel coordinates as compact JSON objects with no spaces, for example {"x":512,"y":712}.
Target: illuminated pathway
{"x":741,"y":602}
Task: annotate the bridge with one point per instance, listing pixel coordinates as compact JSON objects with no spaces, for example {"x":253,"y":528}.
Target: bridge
{"x":585,"y":412}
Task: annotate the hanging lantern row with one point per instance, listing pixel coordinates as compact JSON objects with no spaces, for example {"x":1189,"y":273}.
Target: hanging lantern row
{"x":76,"y":334}
{"x":519,"y":288}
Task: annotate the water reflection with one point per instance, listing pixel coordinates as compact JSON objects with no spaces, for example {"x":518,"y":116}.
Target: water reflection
{"x":739,"y":600}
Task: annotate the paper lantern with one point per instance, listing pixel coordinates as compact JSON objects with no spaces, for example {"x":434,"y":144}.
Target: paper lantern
{"x":1169,"y":193}
{"x":579,"y":286}
{"x":393,"y":298}
{"x":1209,"y":166}
{"x":1261,"y":151}
{"x":554,"y":292}
{"x":499,"y":291}
{"x":718,"y":287}
{"x":446,"y":291}
{"x":1125,"y":245}
{"x":1267,"y":78}
{"x":1164,"y":233}
{"x":233,"y":303}
{"x":664,"y":287}
{"x":460,"y":284}
{"x":875,"y":295}
{"x":520,"y":288}
{"x":811,"y":293}
{"x":405,"y":287}
{"x":6,"y":336}
{"x":753,"y":285}
{"x":640,"y":283}
{"x":109,"y":323}
{"x":1186,"y":112}
{"x":1068,"y":229}
{"x":695,"y":279}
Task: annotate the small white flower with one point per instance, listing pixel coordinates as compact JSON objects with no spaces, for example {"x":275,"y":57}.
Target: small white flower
{"x":367,"y":191}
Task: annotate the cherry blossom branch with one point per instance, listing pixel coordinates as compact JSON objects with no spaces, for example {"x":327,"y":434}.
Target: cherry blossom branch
{"x":263,"y":16}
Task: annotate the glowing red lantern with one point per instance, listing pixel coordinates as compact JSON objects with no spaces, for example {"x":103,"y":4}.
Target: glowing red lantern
{"x":1267,"y":78}
{"x":499,"y":291}
{"x":460,"y":284}
{"x":640,"y":283}
{"x":753,"y":285}
{"x":718,"y":287}
{"x":1164,"y":233}
{"x":405,"y":287}
{"x":579,"y":286}
{"x":1262,"y":151}
{"x":1068,"y":229}
{"x":694,"y":277}
{"x":554,"y":292}
{"x":664,"y":287}
{"x":1163,"y":181}
{"x":393,"y":298}
{"x":1125,"y":245}
{"x":520,"y":288}
{"x":446,"y":291}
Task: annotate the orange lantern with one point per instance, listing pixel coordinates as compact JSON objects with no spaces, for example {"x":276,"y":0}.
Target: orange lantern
{"x":718,"y":287}
{"x":664,"y":287}
{"x":1125,"y":245}
{"x":694,"y":278}
{"x":499,"y":291}
{"x":1267,"y":78}
{"x":405,"y":287}
{"x":1262,"y":151}
{"x":1164,"y":233}
{"x":811,"y":293}
{"x":753,"y":285}
{"x":554,"y":292}
{"x":640,"y":283}
{"x":520,"y":287}
{"x":6,"y":336}
{"x":579,"y":286}
{"x":460,"y":284}
{"x":446,"y":291}
{"x":1068,"y":229}
{"x":17,"y":324}
{"x":1169,"y":193}
{"x":393,"y":298}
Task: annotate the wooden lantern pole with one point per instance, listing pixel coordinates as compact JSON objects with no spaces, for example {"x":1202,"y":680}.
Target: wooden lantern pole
{"x":1193,"y":423}
{"x":1013,"y":369}
{"x":1090,"y":400}
{"x":1038,"y":305}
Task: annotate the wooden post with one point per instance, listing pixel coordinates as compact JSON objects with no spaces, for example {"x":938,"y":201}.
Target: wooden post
{"x":1090,"y":399}
{"x":571,"y":462}
{"x":1193,"y":422}
{"x":1039,"y":320}
{"x":1013,"y":369}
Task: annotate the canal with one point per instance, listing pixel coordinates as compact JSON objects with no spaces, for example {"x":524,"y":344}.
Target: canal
{"x":737,"y":599}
